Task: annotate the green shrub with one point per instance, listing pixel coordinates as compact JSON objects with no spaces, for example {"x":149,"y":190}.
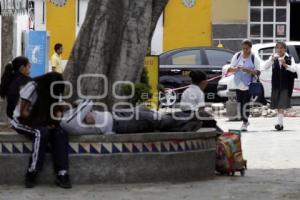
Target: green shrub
{"x":142,"y":90}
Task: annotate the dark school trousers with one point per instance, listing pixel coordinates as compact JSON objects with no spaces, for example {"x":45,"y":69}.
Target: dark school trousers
{"x":43,"y":137}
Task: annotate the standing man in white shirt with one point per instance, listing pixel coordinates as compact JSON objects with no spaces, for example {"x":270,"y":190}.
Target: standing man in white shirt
{"x":245,"y":67}
{"x":193,"y":98}
{"x":56,"y":58}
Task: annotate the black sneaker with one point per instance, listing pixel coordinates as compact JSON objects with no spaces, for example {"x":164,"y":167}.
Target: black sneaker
{"x":30,"y":179}
{"x":63,"y":181}
{"x":279,"y":127}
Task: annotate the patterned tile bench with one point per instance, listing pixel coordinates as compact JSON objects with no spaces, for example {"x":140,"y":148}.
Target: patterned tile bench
{"x":149,"y":157}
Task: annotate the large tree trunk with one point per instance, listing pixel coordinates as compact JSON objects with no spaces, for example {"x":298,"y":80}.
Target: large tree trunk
{"x":113,"y":41}
{"x":7,"y":53}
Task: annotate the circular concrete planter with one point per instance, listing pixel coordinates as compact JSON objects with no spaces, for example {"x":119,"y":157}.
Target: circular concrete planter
{"x":131,"y":158}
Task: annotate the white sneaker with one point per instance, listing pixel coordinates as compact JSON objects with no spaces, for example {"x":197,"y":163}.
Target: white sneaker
{"x":244,"y":127}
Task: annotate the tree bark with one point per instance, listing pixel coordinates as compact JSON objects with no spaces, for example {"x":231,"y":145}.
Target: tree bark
{"x":7,"y":53}
{"x":113,"y":41}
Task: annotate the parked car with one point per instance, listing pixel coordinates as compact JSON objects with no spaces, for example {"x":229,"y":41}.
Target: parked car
{"x":263,"y":52}
{"x":176,"y":65}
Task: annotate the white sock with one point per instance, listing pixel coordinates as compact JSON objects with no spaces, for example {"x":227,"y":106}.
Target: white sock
{"x":62,"y":172}
{"x":280,"y":119}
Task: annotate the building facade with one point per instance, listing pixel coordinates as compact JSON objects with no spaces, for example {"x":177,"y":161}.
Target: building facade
{"x":62,"y":22}
{"x":227,"y":22}
{"x":184,"y":23}
{"x":259,"y":20}
{"x":187,"y":23}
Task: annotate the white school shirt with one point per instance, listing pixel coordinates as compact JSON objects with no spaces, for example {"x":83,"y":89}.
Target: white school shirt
{"x":235,"y":61}
{"x":192,"y":99}
{"x":73,"y":120}
{"x":27,"y":93}
{"x":292,"y":68}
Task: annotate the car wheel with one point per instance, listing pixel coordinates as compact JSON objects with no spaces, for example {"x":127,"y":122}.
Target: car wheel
{"x":167,"y":98}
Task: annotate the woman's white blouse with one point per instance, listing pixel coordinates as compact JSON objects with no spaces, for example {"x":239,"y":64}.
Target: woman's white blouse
{"x":269,"y":63}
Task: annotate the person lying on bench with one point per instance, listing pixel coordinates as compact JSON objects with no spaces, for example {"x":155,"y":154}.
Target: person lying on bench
{"x":84,"y":120}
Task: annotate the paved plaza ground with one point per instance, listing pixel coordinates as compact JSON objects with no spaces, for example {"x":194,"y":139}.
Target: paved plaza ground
{"x":274,"y":173}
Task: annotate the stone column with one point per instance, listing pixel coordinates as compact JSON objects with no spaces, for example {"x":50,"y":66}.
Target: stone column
{"x":7,"y":54}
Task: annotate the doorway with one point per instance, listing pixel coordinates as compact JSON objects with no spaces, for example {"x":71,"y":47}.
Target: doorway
{"x":295,"y":16}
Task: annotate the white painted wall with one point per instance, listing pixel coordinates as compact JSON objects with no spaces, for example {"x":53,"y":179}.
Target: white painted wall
{"x":40,"y":15}
{"x":22,"y":24}
{"x":157,"y":39}
{"x":83,"y":4}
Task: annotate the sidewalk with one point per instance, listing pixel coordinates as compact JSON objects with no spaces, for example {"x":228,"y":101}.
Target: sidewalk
{"x":265,"y":148}
{"x":257,"y":185}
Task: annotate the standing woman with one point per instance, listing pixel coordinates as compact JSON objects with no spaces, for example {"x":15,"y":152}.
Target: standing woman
{"x":16,"y":75}
{"x":283,"y":77}
{"x":244,"y":65}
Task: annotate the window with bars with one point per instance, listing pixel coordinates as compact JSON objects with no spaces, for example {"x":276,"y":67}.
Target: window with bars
{"x":268,"y":20}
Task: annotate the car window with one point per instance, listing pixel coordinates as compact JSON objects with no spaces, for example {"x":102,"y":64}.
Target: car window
{"x":265,"y":53}
{"x":189,"y":57}
{"x":298,"y":51}
{"x":218,"y":58}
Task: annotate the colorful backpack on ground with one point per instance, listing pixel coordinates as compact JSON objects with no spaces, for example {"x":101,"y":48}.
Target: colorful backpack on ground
{"x":229,"y":156}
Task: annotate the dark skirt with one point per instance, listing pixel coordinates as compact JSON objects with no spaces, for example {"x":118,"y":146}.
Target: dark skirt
{"x":280,"y":99}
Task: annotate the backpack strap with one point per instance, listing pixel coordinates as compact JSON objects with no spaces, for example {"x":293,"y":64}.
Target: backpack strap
{"x":252,"y":57}
{"x":238,"y":55}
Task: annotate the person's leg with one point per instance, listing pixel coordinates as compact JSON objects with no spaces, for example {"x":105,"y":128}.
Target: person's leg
{"x":239,"y":99}
{"x":140,"y":121}
{"x":280,"y":115}
{"x":40,"y":138}
{"x":39,"y":149}
{"x":246,"y":103}
{"x":180,"y":122}
{"x":244,"y":99}
{"x":59,"y":144}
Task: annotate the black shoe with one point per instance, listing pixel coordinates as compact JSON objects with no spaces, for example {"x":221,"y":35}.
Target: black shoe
{"x":63,"y":181}
{"x":279,"y":127}
{"x":30,"y":179}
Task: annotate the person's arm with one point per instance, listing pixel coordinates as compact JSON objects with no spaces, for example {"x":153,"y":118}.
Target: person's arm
{"x":257,"y":64}
{"x":233,"y":68}
{"x":76,"y":116}
{"x":24,"y":109}
{"x":201,"y":101}
{"x":253,"y":72}
{"x":268,"y":63}
{"x":28,"y":96}
{"x":298,"y":70}
{"x":256,"y":70}
{"x":54,"y":63}
{"x":292,"y":67}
